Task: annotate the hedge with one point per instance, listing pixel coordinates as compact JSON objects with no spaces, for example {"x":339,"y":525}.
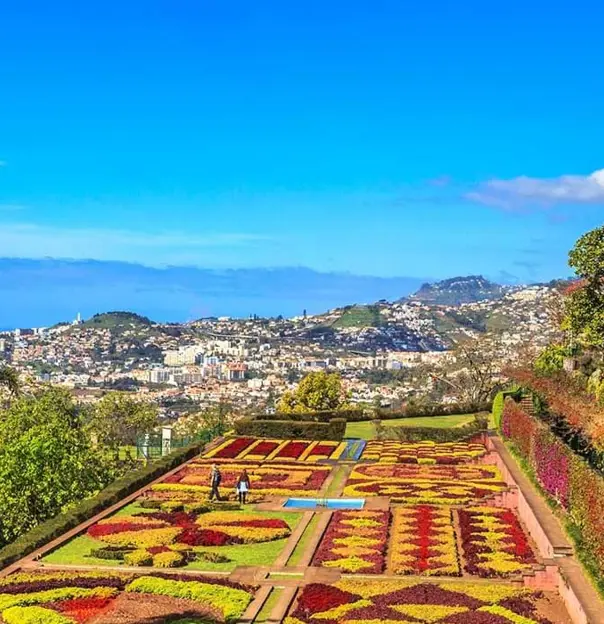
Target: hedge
{"x":292,"y":429}
{"x":113,"y":493}
{"x":565,"y":477}
{"x":499,"y":402}
{"x":437,"y":434}
{"x":411,"y":410}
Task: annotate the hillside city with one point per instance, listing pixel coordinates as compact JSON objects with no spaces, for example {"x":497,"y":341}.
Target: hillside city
{"x":381,"y":351}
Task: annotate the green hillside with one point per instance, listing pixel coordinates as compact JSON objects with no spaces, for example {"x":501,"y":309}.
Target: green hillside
{"x":359,"y":316}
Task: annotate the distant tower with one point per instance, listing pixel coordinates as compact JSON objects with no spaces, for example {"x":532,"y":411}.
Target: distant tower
{"x":78,"y":319}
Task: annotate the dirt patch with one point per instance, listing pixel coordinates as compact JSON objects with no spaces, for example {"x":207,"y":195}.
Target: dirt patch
{"x":150,"y":609}
{"x":551,"y":607}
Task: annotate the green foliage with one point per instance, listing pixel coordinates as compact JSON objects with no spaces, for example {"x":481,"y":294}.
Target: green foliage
{"x":360,"y":316}
{"x":9,"y":379}
{"x":118,"y":320}
{"x":551,"y":359}
{"x":138,"y":558}
{"x":113,"y":493}
{"x":292,"y":429}
{"x":595,"y":385}
{"x":34,"y":615}
{"x":437,"y":434}
{"x":587,"y":256}
{"x":584,"y":305}
{"x":218,"y":418}
{"x":117,"y":419}
{"x":229,"y":601}
{"x":317,"y":392}
{"x":46,"y":461}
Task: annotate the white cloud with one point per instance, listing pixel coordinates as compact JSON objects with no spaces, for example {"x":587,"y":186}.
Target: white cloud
{"x":39,"y":241}
{"x":544,"y":192}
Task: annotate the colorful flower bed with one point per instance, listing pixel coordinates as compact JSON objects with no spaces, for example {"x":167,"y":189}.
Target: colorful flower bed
{"x":386,"y":602}
{"x":426,"y":452}
{"x":493,"y":541}
{"x":565,"y":476}
{"x":411,"y":484}
{"x":168,"y":539}
{"x":252,"y":449}
{"x":355,"y":541}
{"x":81,"y":597}
{"x":193,"y":481}
{"x":423,"y":541}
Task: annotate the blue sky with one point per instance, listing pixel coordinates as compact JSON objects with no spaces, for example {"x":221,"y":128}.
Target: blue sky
{"x":384,"y":138}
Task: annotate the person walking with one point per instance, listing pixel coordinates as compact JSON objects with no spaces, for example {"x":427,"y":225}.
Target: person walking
{"x":243,"y":486}
{"x":215,"y":479}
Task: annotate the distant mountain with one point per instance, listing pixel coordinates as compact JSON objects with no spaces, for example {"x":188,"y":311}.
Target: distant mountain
{"x":44,"y":292}
{"x":457,"y":290}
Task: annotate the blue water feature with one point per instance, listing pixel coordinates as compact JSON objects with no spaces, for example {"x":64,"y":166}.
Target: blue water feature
{"x":321,"y":503}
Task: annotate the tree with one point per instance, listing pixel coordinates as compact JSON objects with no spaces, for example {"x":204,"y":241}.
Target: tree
{"x":473,"y":375}
{"x":9,"y":379}
{"x":317,"y":392}
{"x":117,"y":419}
{"x":212,"y":419}
{"x":584,"y":306}
{"x":47,"y":461}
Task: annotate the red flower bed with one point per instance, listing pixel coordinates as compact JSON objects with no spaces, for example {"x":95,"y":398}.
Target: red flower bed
{"x":82,"y":609}
{"x":367,"y":554}
{"x":264,"y":448}
{"x":316,"y":598}
{"x":323,"y":449}
{"x":269,"y":523}
{"x":293,"y":450}
{"x":238,"y":445}
{"x":98,"y":530}
{"x":506,"y":541}
{"x":207,"y":537}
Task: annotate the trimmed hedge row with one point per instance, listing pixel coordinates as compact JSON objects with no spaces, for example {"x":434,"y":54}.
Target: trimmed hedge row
{"x":565,"y":477}
{"x":363,"y":415}
{"x":113,"y":493}
{"x":292,"y":429}
{"x":417,"y":434}
{"x":499,"y":402}
{"x":351,"y":415}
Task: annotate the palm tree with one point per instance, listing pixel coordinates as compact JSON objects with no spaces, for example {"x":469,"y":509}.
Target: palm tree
{"x":9,"y":379}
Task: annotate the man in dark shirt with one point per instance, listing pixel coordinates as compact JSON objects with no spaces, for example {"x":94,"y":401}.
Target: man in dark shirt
{"x":215,"y":479}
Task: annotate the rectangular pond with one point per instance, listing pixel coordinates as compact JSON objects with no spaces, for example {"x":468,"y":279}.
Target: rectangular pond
{"x":325,"y":503}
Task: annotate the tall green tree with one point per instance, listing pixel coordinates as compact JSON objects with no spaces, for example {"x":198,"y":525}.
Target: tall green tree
{"x":584,"y":305}
{"x":317,"y":392}
{"x":46,"y":461}
{"x":9,"y":380}
{"x":118,"y":418}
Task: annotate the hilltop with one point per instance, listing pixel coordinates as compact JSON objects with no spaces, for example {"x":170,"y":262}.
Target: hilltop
{"x":458,"y":290}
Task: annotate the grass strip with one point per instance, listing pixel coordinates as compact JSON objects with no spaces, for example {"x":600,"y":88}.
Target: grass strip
{"x":338,"y":481}
{"x":269,"y":604}
{"x":302,"y":544}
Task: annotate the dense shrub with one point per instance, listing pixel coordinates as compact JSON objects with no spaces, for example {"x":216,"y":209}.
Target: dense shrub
{"x":436,"y":434}
{"x":411,"y":410}
{"x":565,"y":476}
{"x":292,"y":429}
{"x":566,"y":399}
{"x":112,"y":494}
{"x":551,"y":360}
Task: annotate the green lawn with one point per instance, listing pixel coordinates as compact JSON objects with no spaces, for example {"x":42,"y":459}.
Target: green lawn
{"x":267,"y":608}
{"x":302,"y":544}
{"x":77,"y":550}
{"x":366,"y":430}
